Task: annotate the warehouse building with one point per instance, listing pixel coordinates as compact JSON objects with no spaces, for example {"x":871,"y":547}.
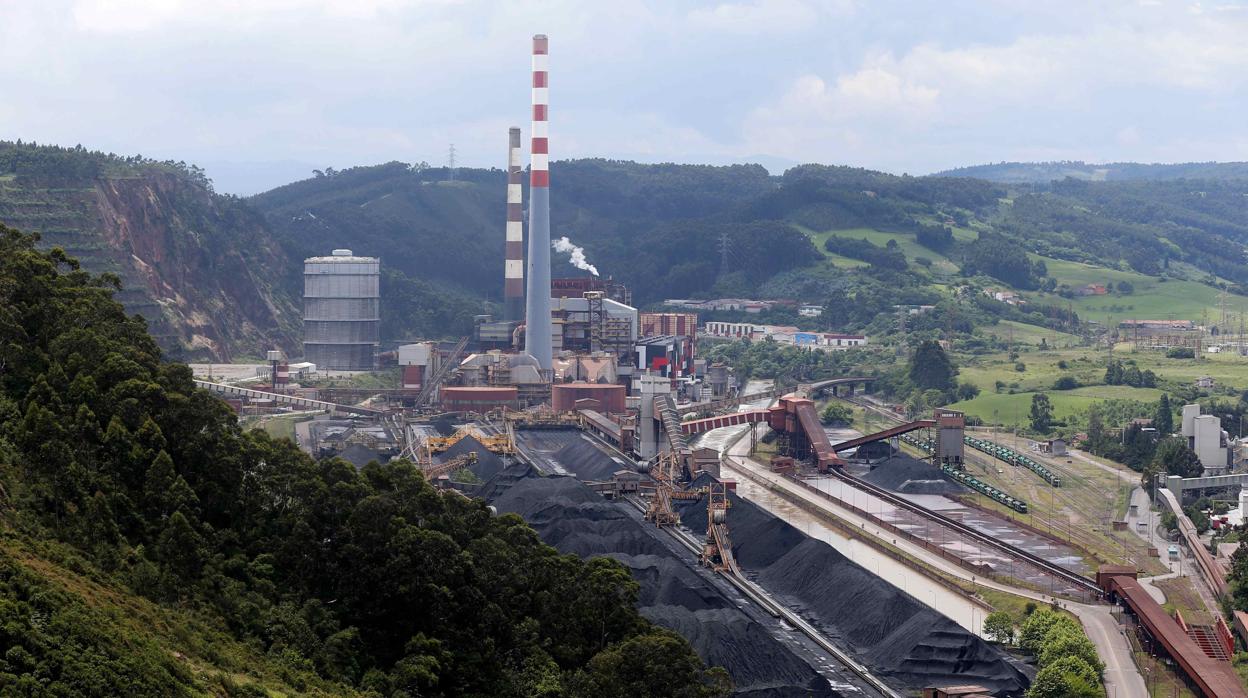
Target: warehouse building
{"x":604,"y":398}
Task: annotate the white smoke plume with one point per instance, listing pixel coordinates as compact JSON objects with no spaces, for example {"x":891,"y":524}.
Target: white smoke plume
{"x":575,"y":253}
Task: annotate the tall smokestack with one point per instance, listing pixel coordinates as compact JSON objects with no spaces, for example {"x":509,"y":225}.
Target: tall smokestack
{"x":537,"y":334}
{"x":513,"y":270}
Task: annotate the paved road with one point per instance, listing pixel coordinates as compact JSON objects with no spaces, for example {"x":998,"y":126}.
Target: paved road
{"x":1184,"y":567}
{"x":1122,"y":677}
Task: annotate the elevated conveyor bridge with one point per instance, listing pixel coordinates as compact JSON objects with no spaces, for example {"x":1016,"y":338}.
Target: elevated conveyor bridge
{"x":283,"y":399}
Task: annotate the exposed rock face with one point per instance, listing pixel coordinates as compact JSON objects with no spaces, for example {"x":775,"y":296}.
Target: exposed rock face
{"x":201,"y":268}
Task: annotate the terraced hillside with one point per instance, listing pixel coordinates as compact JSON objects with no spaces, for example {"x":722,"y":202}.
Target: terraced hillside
{"x":197,"y":266}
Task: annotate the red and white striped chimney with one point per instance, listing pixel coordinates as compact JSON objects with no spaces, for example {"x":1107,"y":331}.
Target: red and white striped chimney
{"x":540,"y":174}
{"x":513,"y":271}
{"x":538,"y":334}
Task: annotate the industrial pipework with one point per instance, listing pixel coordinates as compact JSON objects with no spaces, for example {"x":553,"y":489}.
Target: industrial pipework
{"x":513,"y":270}
{"x":538,"y":332}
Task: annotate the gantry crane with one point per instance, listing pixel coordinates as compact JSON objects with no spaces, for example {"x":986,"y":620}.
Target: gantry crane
{"x":717,"y":550}
{"x":665,"y":472}
{"x":433,"y":471}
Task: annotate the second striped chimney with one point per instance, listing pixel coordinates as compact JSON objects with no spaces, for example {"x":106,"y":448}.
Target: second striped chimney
{"x":513,"y":270}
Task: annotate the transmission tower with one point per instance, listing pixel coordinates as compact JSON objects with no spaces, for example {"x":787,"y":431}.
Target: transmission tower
{"x":725,"y":251}
{"x":450,"y":162}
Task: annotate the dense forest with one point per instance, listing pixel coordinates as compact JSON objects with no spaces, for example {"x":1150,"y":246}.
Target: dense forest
{"x":123,"y":488}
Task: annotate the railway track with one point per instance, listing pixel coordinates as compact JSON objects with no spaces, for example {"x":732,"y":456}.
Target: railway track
{"x":1054,"y":569}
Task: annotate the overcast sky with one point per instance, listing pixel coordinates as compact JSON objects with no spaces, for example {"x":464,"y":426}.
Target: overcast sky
{"x":261,"y":91}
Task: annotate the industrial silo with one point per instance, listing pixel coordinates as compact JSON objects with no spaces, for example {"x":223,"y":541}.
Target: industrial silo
{"x":341,"y":311}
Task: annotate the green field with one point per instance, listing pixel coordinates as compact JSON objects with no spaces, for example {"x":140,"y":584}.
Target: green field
{"x":905,"y":242}
{"x":1022,"y":333}
{"x":1087,"y":365}
{"x":1151,"y":299}
{"x":1014,"y":409}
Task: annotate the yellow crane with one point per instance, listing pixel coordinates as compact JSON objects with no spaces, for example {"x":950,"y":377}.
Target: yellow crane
{"x":433,"y":471}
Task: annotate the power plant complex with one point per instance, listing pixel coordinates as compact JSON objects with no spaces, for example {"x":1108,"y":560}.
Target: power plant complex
{"x":574,"y":382}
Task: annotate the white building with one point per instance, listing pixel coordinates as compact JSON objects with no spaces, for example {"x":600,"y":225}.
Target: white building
{"x":843,"y":341}
{"x":810,"y":310}
{"x":784,"y":335}
{"x":733,"y":330}
{"x":1206,"y":437}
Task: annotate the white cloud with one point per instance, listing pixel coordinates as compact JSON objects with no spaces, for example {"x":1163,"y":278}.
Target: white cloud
{"x":888,"y":84}
{"x":757,"y":16}
{"x":917,"y":105}
{"x":130,"y":16}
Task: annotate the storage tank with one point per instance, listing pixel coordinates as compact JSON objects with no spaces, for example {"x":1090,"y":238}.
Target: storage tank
{"x":342,"y":311}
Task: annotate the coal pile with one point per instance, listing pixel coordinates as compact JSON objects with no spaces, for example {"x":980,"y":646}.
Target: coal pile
{"x":488,"y":463}
{"x":587,"y":460}
{"x":503,"y":481}
{"x":904,"y":474}
{"x":886,"y":629}
{"x":573,"y":519}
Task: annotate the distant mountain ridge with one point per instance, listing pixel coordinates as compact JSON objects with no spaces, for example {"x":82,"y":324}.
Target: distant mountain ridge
{"x":219,"y":277}
{"x":1044,"y":172}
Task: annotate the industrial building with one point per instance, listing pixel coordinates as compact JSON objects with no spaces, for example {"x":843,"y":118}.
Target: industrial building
{"x":785,"y":335}
{"x":418,"y":362}
{"x":656,"y":324}
{"x":497,"y":369}
{"x":341,"y":311}
{"x":479,"y":399}
{"x":578,"y":286}
{"x":1206,"y":437}
{"x":670,"y":356}
{"x":604,"y":398}
{"x":593,"y":323}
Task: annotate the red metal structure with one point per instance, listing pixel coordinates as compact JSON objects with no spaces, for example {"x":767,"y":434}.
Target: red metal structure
{"x":1213,"y":678}
{"x":886,"y":434}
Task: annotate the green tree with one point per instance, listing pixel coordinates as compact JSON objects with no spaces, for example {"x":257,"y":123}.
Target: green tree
{"x":1238,"y":579}
{"x":1037,"y":626}
{"x":1065,"y":679}
{"x":1113,"y":373}
{"x":1173,"y":457}
{"x":1068,"y":642}
{"x":931,"y":369}
{"x":1163,"y":421}
{"x":836,"y":413}
{"x":613,"y":673}
{"x":1041,"y":413}
{"x":999,"y":626}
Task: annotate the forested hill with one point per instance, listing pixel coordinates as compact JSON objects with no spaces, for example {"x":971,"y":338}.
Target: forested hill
{"x":657,"y":227}
{"x":151,"y":547}
{"x":218,"y":277}
{"x":816,"y":234}
{"x":197,"y":265}
{"x":1044,"y":172}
